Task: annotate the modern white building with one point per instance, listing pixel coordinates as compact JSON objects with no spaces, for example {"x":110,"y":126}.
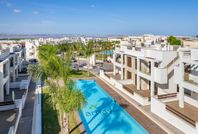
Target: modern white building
{"x":139,"y":70}
{"x":182,"y":111}
{"x":162,"y":76}
{"x":4,"y":73}
{"x":11,"y":57}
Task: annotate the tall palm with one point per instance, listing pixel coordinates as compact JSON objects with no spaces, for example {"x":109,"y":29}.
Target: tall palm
{"x":57,"y":70}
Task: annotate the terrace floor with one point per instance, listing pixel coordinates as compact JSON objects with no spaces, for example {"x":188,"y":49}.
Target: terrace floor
{"x":25,"y":123}
{"x":116,"y":77}
{"x":188,"y":113}
{"x":18,"y":94}
{"x":132,"y":88}
{"x":7,"y":119}
{"x":143,"y":93}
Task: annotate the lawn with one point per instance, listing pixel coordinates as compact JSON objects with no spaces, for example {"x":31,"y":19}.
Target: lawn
{"x":80,"y":74}
{"x":50,"y":117}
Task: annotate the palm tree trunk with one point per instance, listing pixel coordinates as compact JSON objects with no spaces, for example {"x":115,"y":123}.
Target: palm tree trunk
{"x":78,"y":62}
{"x":65,"y":123}
{"x":88,"y":65}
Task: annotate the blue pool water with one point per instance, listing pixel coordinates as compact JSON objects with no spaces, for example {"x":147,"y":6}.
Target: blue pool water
{"x":102,"y":115}
{"x":108,"y":52}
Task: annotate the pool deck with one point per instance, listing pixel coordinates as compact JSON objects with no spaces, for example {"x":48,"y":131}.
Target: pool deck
{"x":151,"y":122}
{"x":148,"y":124}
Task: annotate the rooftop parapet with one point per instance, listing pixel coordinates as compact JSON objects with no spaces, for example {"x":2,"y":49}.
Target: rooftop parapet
{"x":4,"y":53}
{"x":194,"y":54}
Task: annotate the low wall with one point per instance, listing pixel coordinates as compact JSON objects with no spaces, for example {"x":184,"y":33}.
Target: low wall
{"x":191,"y":101}
{"x":139,"y":99}
{"x":15,"y":84}
{"x":13,"y":129}
{"x":37,"y":115}
{"x":159,"y":108}
{"x":19,"y":103}
{"x":7,"y":107}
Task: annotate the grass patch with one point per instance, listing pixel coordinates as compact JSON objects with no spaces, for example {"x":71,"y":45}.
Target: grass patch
{"x":80,"y":74}
{"x":50,"y":121}
{"x":49,"y":115}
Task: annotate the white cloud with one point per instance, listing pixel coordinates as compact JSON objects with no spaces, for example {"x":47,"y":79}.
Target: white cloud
{"x":17,"y":11}
{"x":93,"y":6}
{"x":6,"y":3}
{"x":35,"y":12}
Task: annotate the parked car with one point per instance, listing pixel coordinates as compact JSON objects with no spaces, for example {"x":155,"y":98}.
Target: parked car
{"x":33,"y":61}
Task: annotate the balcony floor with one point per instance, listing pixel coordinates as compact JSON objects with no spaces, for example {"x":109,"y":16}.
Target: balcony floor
{"x":189,"y":112}
{"x":116,"y":77}
{"x":18,"y":94}
{"x":132,"y":88}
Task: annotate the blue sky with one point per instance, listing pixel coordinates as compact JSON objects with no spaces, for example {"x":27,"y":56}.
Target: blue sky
{"x":165,"y":17}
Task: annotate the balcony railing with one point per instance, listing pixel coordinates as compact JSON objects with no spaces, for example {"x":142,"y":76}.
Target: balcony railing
{"x":145,"y":70}
{"x":5,"y":74}
{"x":190,"y":79}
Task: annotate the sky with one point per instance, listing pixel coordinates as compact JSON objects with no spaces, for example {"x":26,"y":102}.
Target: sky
{"x":99,"y":17}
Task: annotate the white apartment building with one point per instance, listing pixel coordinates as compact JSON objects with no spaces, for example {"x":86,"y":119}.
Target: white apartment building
{"x":182,"y":111}
{"x":164,"y":77}
{"x":12,"y":57}
{"x":139,"y":71}
{"x":4,"y":73}
{"x":31,"y":49}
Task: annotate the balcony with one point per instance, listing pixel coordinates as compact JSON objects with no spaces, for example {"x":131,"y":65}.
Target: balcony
{"x":4,"y":54}
{"x":145,"y":67}
{"x":5,"y":74}
{"x":118,"y":60}
{"x":17,"y":48}
{"x":129,"y":62}
{"x":5,"y":70}
{"x":191,"y":78}
{"x":194,"y":54}
{"x":189,"y":113}
{"x":160,"y":75}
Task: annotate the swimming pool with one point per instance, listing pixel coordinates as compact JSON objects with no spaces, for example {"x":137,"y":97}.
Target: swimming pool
{"x":103,"y":115}
{"x":108,"y":52}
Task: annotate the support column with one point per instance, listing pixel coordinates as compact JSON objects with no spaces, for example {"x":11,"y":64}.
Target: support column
{"x":13,"y":69}
{"x":122,"y":67}
{"x":17,"y":71}
{"x":138,"y":77}
{"x":8,"y":82}
{"x":1,"y":91}
{"x":181,"y":89}
{"x":13,"y":75}
{"x":181,"y":97}
{"x":20,"y":64}
{"x":7,"y":88}
{"x":114,"y":67}
{"x":125,"y":71}
{"x":152,"y":80}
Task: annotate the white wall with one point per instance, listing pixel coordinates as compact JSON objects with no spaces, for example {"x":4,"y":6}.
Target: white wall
{"x":159,"y":108}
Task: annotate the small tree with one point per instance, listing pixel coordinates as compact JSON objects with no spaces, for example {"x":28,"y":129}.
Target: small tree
{"x":174,"y":41}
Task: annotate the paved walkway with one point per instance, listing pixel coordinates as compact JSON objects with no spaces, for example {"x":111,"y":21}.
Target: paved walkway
{"x":7,"y":119}
{"x":25,"y":124}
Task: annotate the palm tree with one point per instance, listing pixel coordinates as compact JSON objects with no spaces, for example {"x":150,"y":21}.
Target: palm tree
{"x":71,"y":99}
{"x":56,"y":71}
